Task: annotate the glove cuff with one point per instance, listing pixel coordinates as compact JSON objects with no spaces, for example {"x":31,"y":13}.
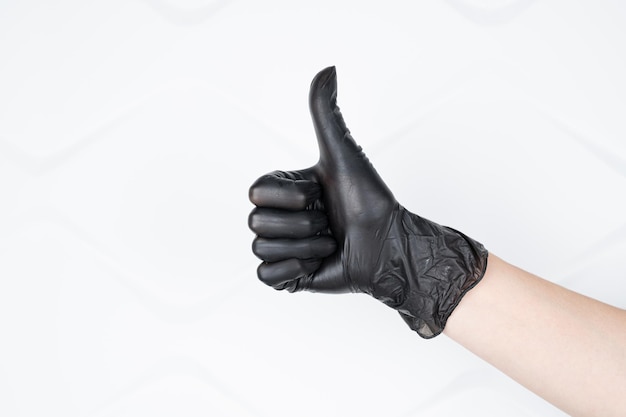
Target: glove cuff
{"x":428,"y":268}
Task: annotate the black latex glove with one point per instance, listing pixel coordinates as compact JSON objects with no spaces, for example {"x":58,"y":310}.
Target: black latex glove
{"x":336,"y":227}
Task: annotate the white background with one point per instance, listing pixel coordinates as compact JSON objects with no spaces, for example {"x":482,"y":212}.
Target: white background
{"x":130,"y":132}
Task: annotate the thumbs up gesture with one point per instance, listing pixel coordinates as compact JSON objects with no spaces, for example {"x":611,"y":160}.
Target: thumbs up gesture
{"x":336,"y":227}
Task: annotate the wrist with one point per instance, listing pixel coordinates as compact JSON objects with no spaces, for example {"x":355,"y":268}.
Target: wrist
{"x":428,"y":269}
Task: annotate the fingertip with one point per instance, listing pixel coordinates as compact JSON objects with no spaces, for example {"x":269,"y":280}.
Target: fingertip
{"x":251,"y":219}
{"x":323,"y":92}
{"x":258,"y":190}
{"x":255,"y":247}
{"x":325,"y":81}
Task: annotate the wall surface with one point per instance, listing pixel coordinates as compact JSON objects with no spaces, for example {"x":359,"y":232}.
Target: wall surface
{"x":130,"y":132}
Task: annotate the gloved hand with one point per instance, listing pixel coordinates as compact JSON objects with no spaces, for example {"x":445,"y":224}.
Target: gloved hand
{"x":336,"y":227}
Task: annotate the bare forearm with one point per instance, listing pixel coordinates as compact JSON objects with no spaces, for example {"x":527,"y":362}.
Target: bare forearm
{"x":565,"y":347}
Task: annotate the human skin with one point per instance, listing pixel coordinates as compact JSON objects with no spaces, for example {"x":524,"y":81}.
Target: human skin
{"x":565,"y":347}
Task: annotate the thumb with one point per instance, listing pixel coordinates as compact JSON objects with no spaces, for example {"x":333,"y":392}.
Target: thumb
{"x":333,"y":137}
{"x":340,"y":156}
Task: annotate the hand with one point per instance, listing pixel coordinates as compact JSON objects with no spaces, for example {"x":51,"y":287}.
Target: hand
{"x":336,"y":227}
